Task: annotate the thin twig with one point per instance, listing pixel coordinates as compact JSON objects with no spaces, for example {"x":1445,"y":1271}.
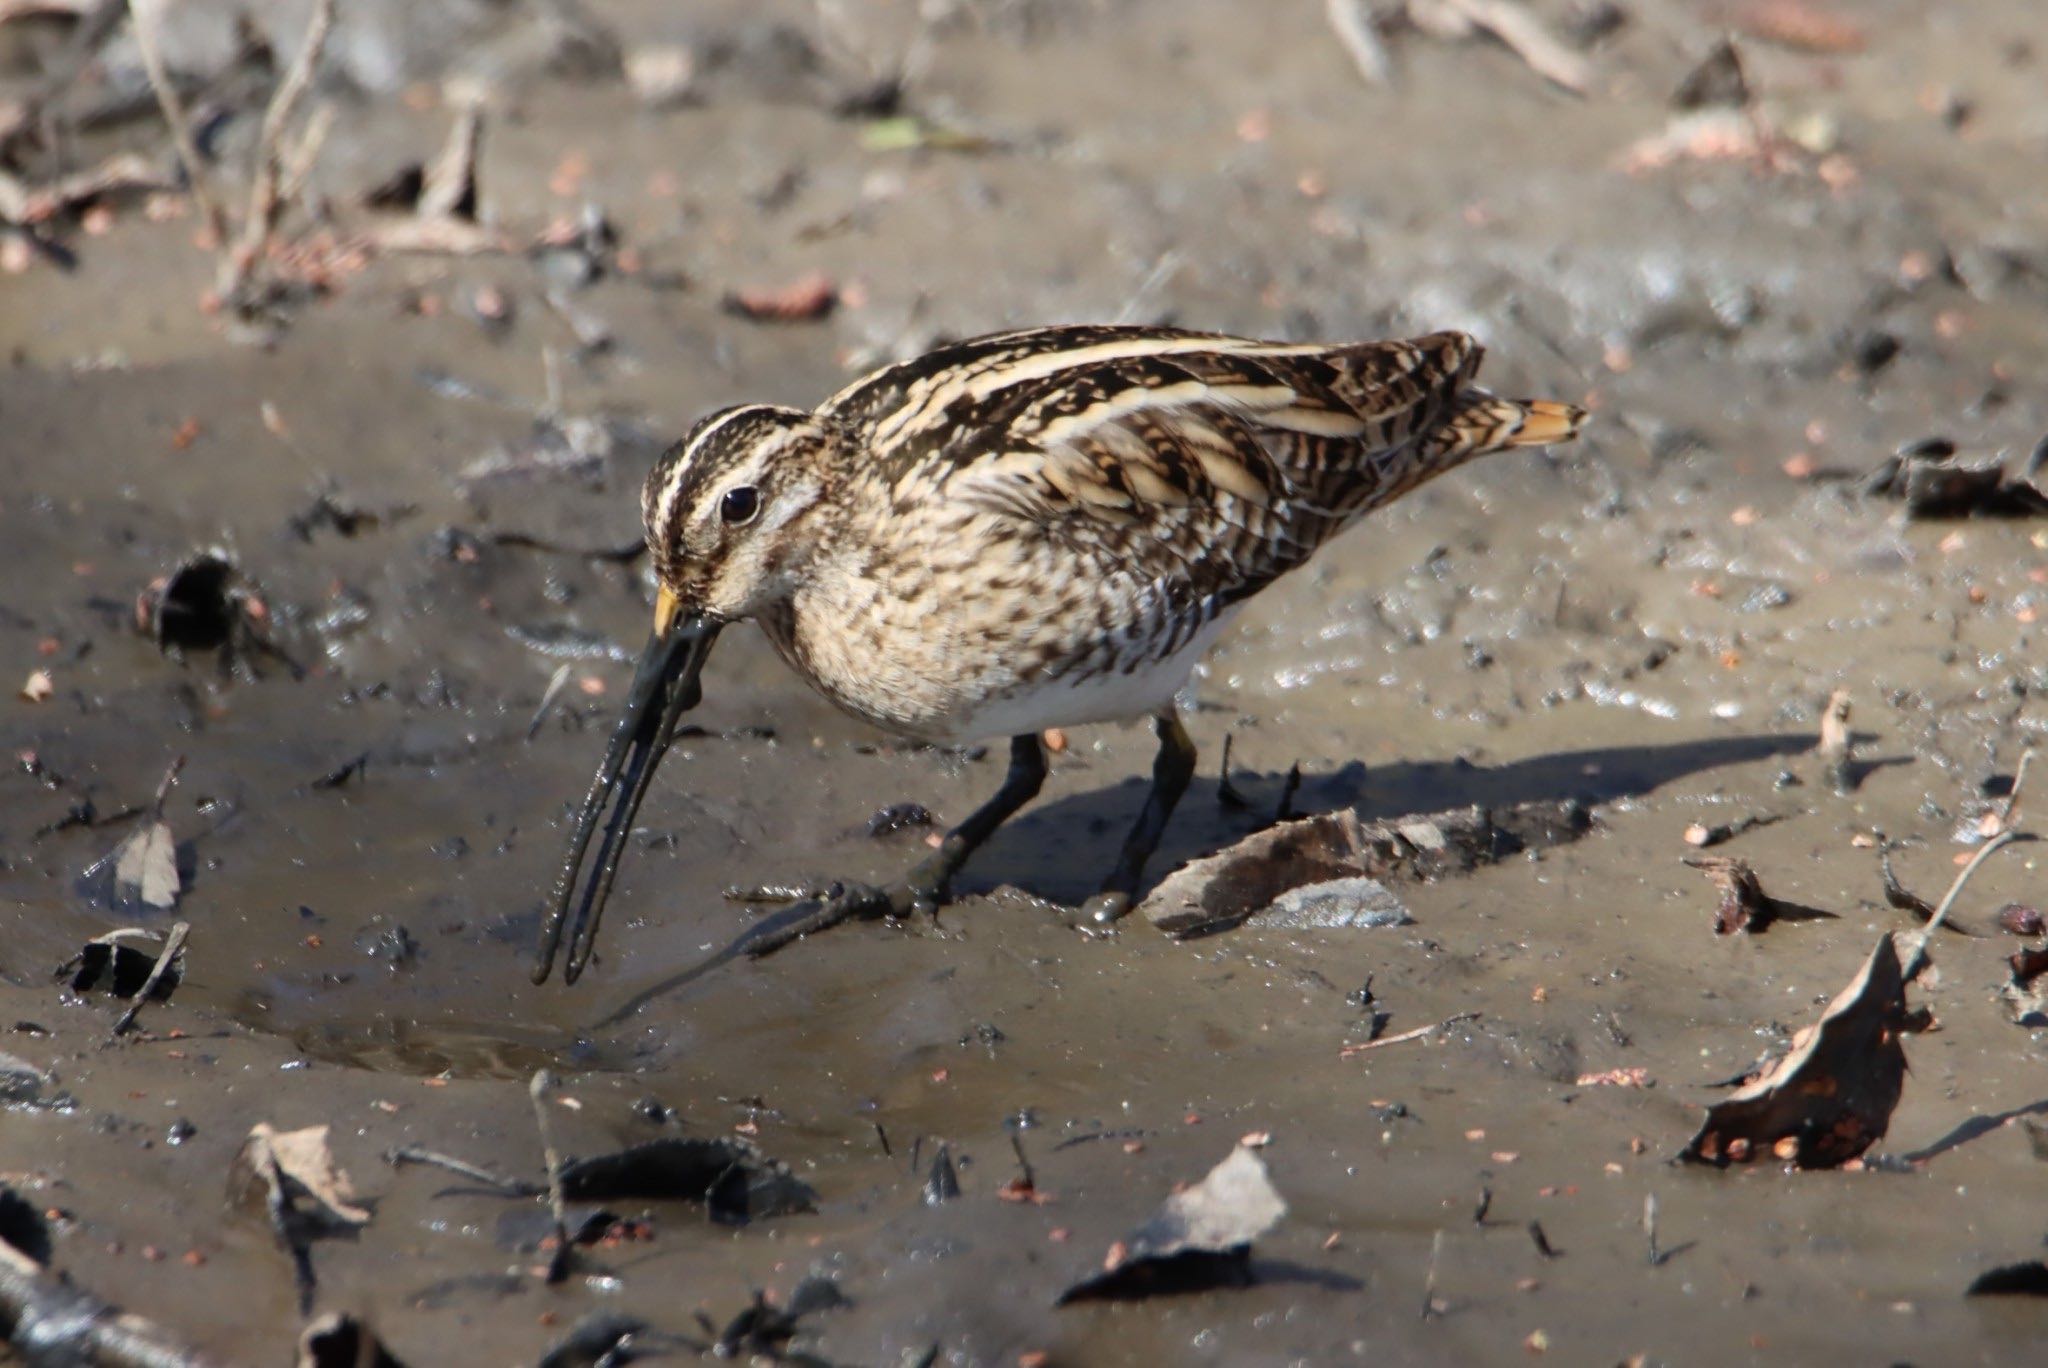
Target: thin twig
{"x":144,"y":26}
{"x":1419,"y":1033}
{"x":1431,"y":1308}
{"x":419,"y":1154}
{"x":163,"y":788}
{"x":297,"y":166}
{"x":1354,"y":29}
{"x":544,"y":1084}
{"x":2012,"y":797}
{"x":1948,"y":900}
{"x":547,"y":700}
{"x":265,"y":204}
{"x":173,"y":944}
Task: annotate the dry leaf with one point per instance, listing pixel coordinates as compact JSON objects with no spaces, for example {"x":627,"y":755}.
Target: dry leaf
{"x":296,"y":1170}
{"x":1200,"y":1236}
{"x":146,"y":867}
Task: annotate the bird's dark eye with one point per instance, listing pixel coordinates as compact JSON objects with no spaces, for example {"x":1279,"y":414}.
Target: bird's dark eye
{"x":740,"y":504}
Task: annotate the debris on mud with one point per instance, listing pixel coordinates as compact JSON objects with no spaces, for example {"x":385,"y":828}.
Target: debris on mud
{"x":735,"y":1181}
{"x":764,"y":1328}
{"x":141,"y":874}
{"x":207,"y":604}
{"x":1514,"y":26}
{"x":1837,"y":748}
{"x":2029,"y":1279}
{"x":1899,"y":896}
{"x":1831,"y":1097}
{"x":1236,"y":885}
{"x":1334,"y":904}
{"x":1744,"y":905}
{"x":1932,"y":484}
{"x":291,"y":1179}
{"x":1702,"y":836}
{"x":804,"y":300}
{"x":1201,"y":1237}
{"x":169,"y":956}
{"x":2018,"y":919}
{"x":340,"y":1340}
{"x":437,"y":203}
{"x":54,"y":1321}
{"x":121,"y":962}
{"x":2026,"y":992}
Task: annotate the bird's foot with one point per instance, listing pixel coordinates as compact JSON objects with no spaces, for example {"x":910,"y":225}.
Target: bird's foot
{"x":1100,"y":914}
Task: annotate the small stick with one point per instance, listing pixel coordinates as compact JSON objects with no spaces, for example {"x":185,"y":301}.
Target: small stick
{"x":297,"y":167}
{"x":163,"y":788}
{"x":419,"y":1154}
{"x":2012,"y":797}
{"x":1431,"y":1308}
{"x":174,"y":115}
{"x":1485,"y":1205}
{"x":1837,"y":743}
{"x":1948,"y":900}
{"x":1354,"y":30}
{"x":264,"y":202}
{"x":1023,"y":1164}
{"x":543,"y":1084}
{"x":1417,"y":1034}
{"x":1542,"y":1241}
{"x":173,"y":944}
{"x":547,"y":700}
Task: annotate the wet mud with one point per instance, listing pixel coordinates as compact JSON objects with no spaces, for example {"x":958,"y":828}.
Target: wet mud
{"x":426,"y":481}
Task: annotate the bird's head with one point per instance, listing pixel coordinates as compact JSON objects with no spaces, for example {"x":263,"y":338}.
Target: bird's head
{"x":725,"y":508}
{"x":725,"y":511}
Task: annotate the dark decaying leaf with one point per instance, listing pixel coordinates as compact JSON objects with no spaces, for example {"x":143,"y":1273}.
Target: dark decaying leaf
{"x":1832,"y":1096}
{"x":599,"y":1340}
{"x":764,"y":1328}
{"x":2029,"y":1279}
{"x":337,"y":1340}
{"x":1229,"y":888}
{"x":22,"y":1226}
{"x":1928,"y":480}
{"x":119,"y":963}
{"x":736,"y":1182}
{"x":1200,"y":1237}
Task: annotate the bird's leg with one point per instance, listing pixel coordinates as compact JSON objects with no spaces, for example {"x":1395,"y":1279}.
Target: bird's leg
{"x":1171,"y":770}
{"x":923,"y":887}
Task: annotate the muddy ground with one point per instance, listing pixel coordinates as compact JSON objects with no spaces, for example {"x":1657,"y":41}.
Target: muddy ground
{"x":1649,"y":621}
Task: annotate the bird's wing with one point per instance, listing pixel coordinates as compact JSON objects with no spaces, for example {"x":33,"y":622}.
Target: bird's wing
{"x":1124,"y":424}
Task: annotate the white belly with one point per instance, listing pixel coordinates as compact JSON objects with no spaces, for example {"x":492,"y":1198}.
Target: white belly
{"x":1109,"y":697}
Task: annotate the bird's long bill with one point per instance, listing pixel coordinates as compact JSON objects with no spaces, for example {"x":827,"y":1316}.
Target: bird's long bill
{"x":665,"y":686}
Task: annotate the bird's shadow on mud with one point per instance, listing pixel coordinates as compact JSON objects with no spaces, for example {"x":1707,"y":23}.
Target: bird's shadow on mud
{"x":1086,"y":829}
